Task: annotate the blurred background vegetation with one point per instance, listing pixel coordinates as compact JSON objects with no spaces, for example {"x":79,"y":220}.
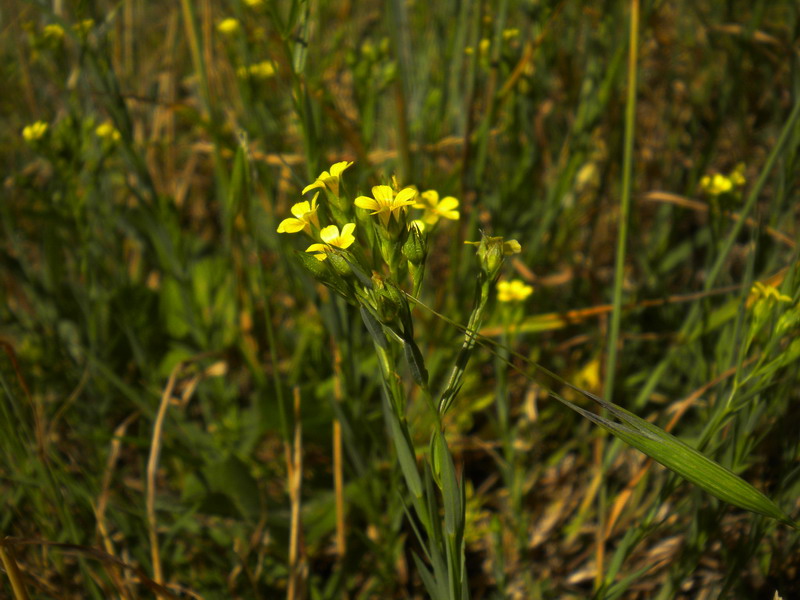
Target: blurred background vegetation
{"x":171,"y":378}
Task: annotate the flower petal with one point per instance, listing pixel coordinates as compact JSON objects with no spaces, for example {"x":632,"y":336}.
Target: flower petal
{"x":321,"y":250}
{"x":339,"y":167}
{"x":311,"y":186}
{"x":291,"y":226}
{"x":405,"y":196}
{"x":329,"y":233}
{"x":347,"y":230}
{"x":300,"y":209}
{"x":367,"y":203}
{"x":447,"y":203}
{"x":383,"y":193}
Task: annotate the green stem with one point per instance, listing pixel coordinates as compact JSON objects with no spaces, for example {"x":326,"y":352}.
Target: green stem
{"x":625,"y":202}
{"x":475,"y":320}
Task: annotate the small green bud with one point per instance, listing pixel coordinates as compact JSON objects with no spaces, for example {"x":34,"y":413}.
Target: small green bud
{"x":492,"y":251}
{"x":415,"y":248}
{"x":325,"y":274}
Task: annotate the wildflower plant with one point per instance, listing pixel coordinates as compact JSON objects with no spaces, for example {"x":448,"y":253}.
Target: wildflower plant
{"x":372,"y":253}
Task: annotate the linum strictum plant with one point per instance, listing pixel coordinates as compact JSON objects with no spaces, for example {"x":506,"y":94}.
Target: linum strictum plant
{"x":372,"y":252}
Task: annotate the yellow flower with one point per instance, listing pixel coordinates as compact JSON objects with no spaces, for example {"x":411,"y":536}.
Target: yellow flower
{"x":108,"y":132}
{"x":515,"y":290}
{"x":331,"y":236}
{"x":34,"y":131}
{"x":262,"y":70}
{"x":385,"y":204}
{"x":53,"y":32}
{"x":228,"y":26}
{"x":254,"y":3}
{"x":759,"y":291}
{"x":305,"y":216}
{"x":435,"y":208}
{"x":737,"y":175}
{"x":330,"y":179}
{"x":588,"y":377}
{"x":716,"y":185}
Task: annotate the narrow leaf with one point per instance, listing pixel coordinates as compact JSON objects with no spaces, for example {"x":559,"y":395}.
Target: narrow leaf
{"x":404,"y":448}
{"x":416,"y":363}
{"x":681,"y":458}
{"x":451,"y":490}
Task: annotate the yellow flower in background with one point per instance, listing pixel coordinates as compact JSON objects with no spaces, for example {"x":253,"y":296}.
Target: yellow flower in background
{"x":35,"y":131}
{"x":330,"y":179}
{"x":716,"y":185}
{"x":331,"y":236}
{"x":588,"y":377}
{"x":261,"y":70}
{"x":254,"y":3}
{"x":737,"y":175}
{"x":305,"y":215}
{"x":436,"y":208}
{"x":759,"y":291}
{"x":510,"y":33}
{"x":228,"y":26}
{"x":515,"y":290}
{"x":108,"y":132}
{"x":385,"y":203}
{"x":53,"y":32}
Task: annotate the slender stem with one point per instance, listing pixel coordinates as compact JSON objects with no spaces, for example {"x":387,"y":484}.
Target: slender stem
{"x":619,"y":271}
{"x":625,"y":202}
{"x":338,"y":478}
{"x":14,"y":575}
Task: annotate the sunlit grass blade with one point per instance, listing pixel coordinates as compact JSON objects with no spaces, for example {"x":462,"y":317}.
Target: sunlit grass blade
{"x":680,"y":458}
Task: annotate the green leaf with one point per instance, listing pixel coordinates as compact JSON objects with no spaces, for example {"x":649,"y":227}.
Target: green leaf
{"x":238,"y":190}
{"x":404,"y":448}
{"x":681,"y":458}
{"x":416,"y":363}
{"x":451,"y":490}
{"x":374,"y":328}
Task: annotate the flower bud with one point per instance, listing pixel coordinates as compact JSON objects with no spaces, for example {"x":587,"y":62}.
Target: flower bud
{"x":491,"y":253}
{"x":415,"y":248}
{"x":326,"y":275}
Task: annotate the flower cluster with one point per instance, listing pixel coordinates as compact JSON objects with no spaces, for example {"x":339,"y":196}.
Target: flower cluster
{"x":35,"y":131}
{"x":719,"y":184}
{"x":399,"y":239}
{"x":261,"y":70}
{"x":108,"y":132}
{"x":515,"y":290}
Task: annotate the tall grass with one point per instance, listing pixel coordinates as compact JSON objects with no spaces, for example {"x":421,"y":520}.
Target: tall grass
{"x":187,"y":412}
